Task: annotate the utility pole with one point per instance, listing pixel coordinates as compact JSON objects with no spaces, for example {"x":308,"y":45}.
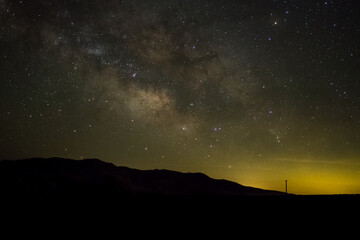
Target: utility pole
{"x":286,"y":186}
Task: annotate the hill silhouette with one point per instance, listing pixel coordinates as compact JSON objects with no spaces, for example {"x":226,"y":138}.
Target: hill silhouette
{"x":90,"y":198}
{"x":41,"y":178}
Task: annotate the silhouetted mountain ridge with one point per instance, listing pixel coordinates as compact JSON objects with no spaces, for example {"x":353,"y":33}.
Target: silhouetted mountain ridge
{"x":100,"y":199}
{"x":93,"y":177}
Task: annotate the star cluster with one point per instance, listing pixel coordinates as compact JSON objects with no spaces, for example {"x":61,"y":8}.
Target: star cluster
{"x":252,"y":91}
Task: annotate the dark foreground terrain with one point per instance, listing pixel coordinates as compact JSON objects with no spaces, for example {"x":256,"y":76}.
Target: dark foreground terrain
{"x":91,"y":198}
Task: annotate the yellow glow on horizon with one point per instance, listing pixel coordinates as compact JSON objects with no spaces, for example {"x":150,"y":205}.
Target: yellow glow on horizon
{"x":304,"y":176}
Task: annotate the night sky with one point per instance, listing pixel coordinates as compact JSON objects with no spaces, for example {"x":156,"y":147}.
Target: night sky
{"x":250,"y":91}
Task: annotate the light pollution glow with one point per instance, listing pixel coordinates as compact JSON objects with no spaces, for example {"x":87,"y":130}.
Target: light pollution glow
{"x":304,"y":176}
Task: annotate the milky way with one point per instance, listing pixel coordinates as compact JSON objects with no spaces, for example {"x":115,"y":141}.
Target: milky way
{"x":252,"y":91}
